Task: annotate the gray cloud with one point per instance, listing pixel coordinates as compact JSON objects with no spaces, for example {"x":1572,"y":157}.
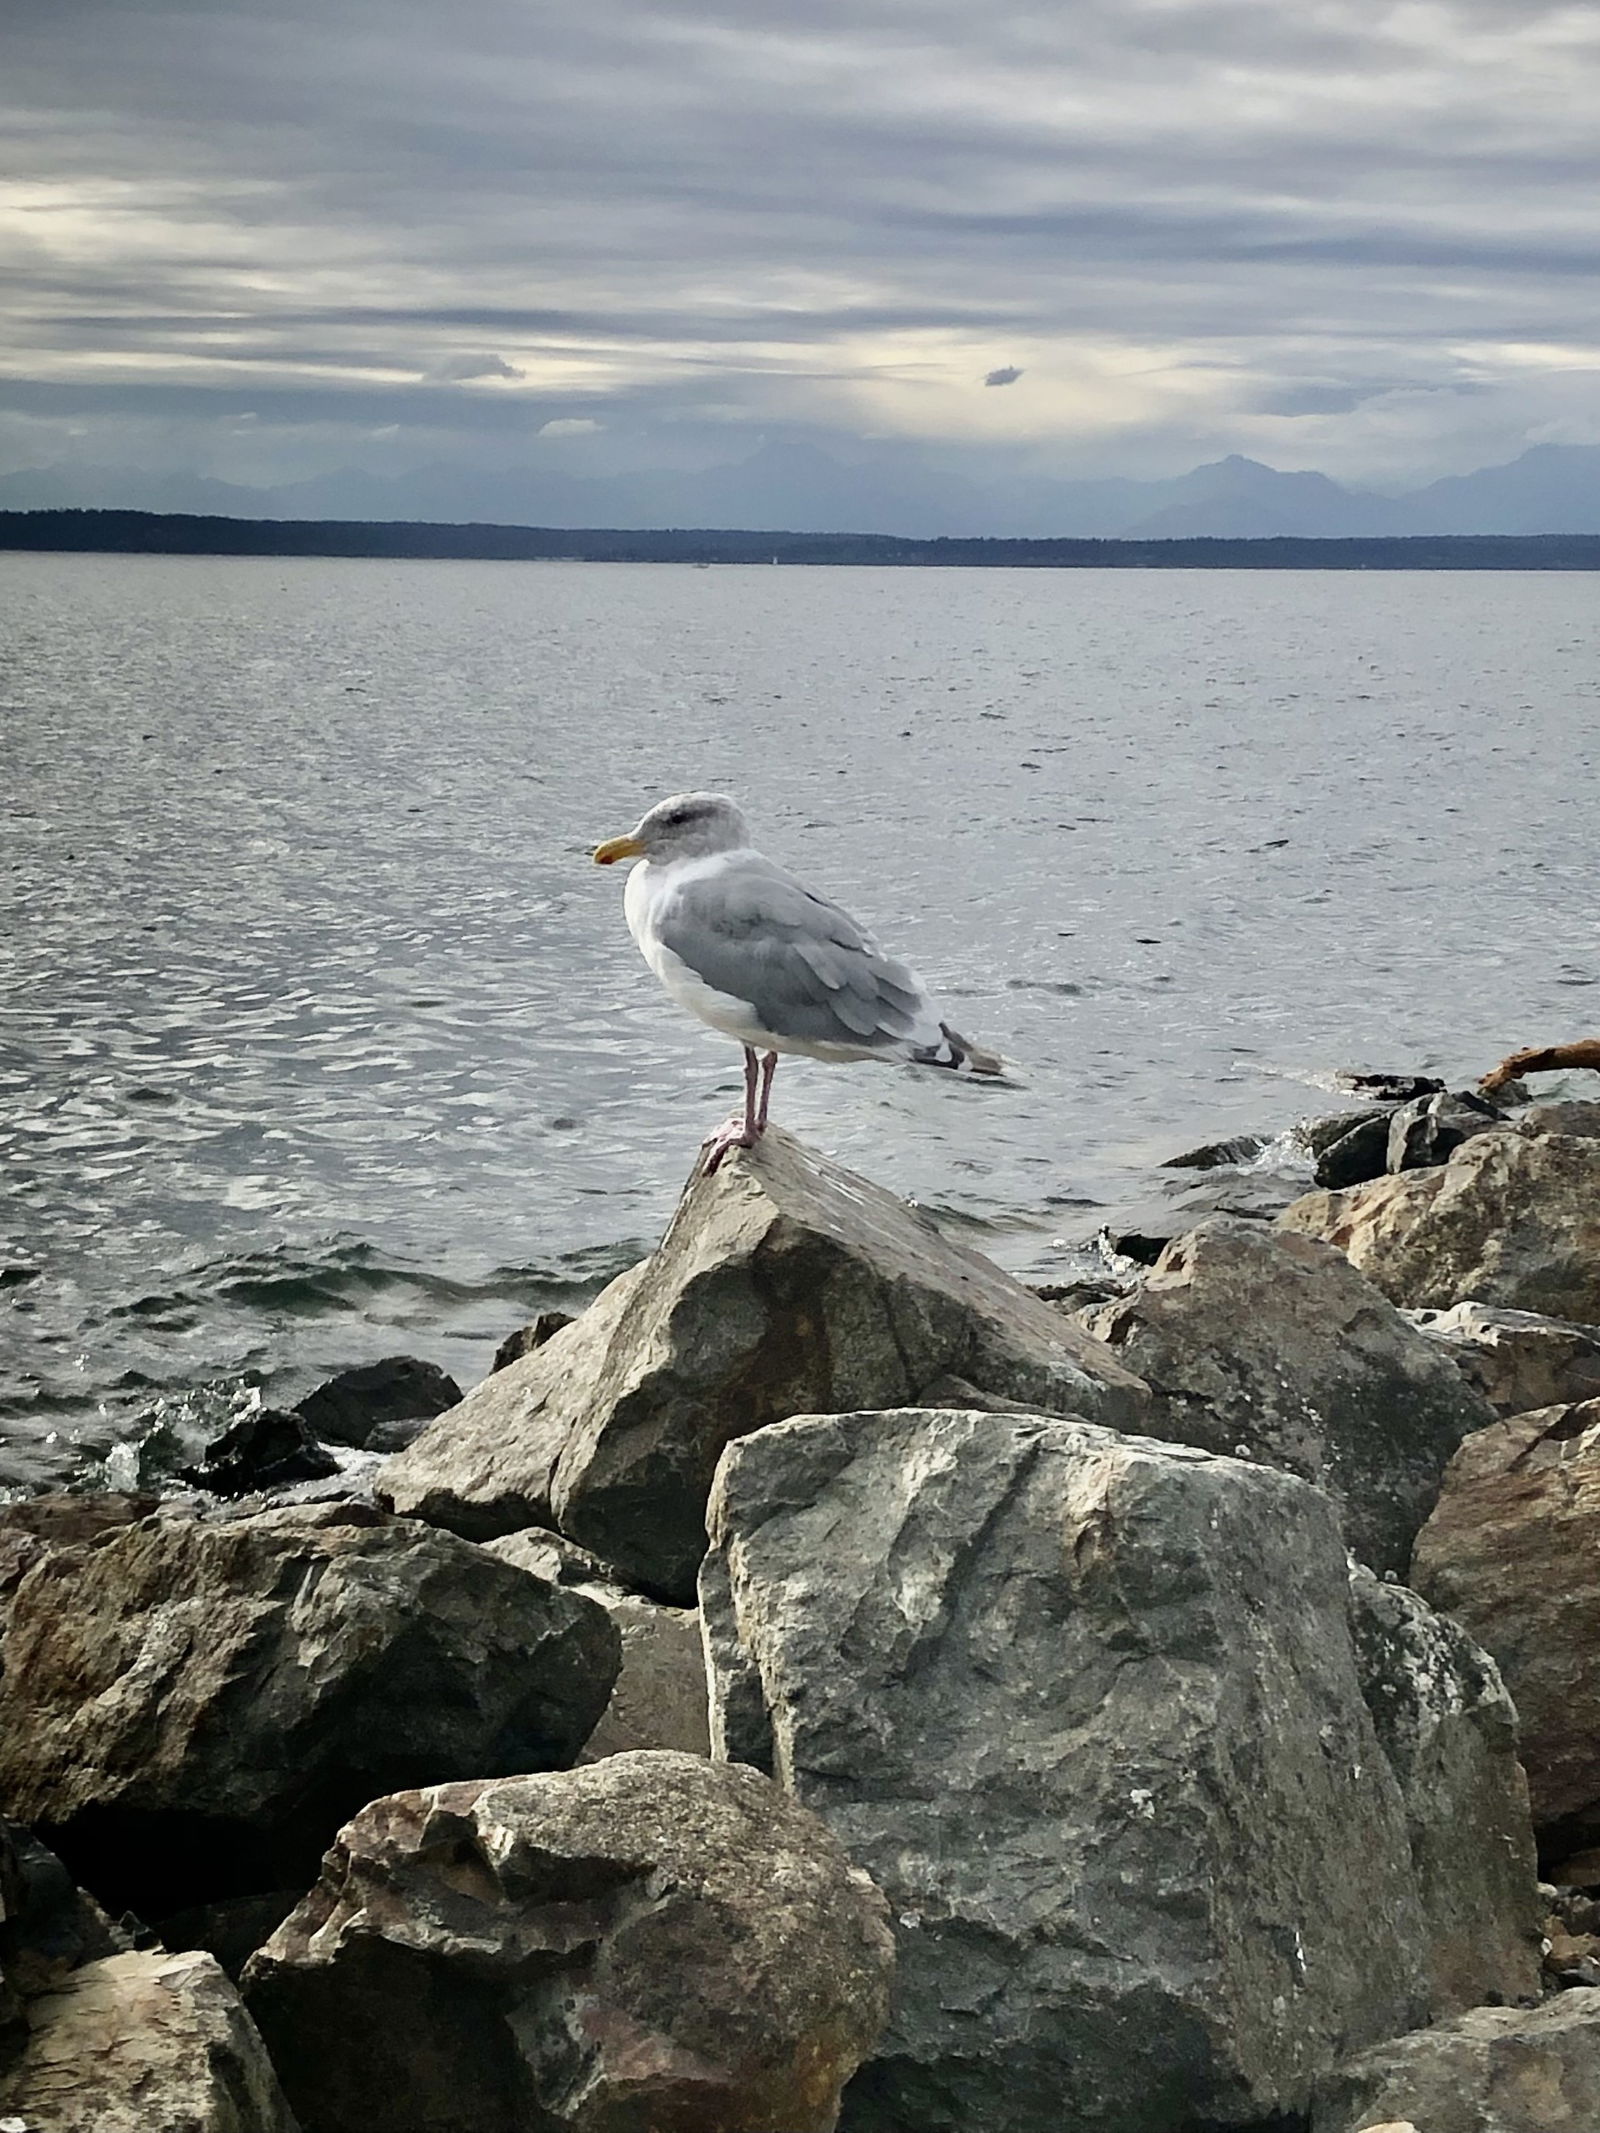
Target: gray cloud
{"x":1008,"y":374}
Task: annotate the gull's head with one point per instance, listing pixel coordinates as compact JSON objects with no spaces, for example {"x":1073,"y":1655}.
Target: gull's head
{"x":691,"y":825}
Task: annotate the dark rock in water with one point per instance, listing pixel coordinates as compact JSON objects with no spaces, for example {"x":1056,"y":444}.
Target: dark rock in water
{"x":1428,"y":1129}
{"x":655,"y":1944}
{"x":348,"y":1408}
{"x":1356,"y":1155}
{"x":190,"y":1708}
{"x":1495,"y":2070}
{"x":784,"y":1285}
{"x":1387,"y":1088}
{"x":1219,"y":1155}
{"x":539,"y":1329}
{"x":1252,"y":1195}
{"x":1088,"y":1710}
{"x":1448,"y":1728}
{"x":1273,"y":1347}
{"x":148,"y":2042}
{"x":262,"y":1450}
{"x":1315,"y":1135}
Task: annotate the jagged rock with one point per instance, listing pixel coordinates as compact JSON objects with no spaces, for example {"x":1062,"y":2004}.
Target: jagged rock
{"x":191,"y":1708}
{"x":1087,"y":1708}
{"x":261,"y":1450}
{"x":784,"y":1285}
{"x":660,"y":1697}
{"x":1425,"y":1131}
{"x":1495,"y":2070}
{"x":367,"y":1403}
{"x":1449,"y":1731}
{"x":1270,"y":1345}
{"x":1359,"y":1153}
{"x":30,"y":1528}
{"x":1510,"y":1219}
{"x":542,"y":1327}
{"x":1513,"y":1551}
{"x":144,"y":2043}
{"x":1518,"y":1360}
{"x":653,"y":1944}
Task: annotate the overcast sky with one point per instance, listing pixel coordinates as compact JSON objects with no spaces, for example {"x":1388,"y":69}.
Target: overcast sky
{"x":265,"y":237}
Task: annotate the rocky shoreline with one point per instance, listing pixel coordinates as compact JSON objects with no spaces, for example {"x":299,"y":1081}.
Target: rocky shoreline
{"x":830,"y":1684}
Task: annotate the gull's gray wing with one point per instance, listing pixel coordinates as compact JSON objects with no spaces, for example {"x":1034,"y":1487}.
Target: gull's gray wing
{"x":809,"y":972}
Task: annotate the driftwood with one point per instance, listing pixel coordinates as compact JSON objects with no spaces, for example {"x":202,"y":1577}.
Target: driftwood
{"x":1543,"y":1059}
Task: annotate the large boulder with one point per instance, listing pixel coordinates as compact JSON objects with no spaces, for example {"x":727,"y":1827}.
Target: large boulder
{"x":653,"y":1944}
{"x":1449,"y":1733}
{"x":1271,"y":1346}
{"x":191,"y":1708}
{"x":659,"y":1700}
{"x":1512,"y":1550}
{"x":784,"y":1285}
{"x":1495,"y":2070}
{"x":1513,"y":1218}
{"x":1088,"y":1709}
{"x":144,"y":2043}
{"x":1518,"y":1360}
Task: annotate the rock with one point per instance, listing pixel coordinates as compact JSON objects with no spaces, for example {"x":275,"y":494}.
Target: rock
{"x":1510,"y":1219}
{"x":1579,"y":1119}
{"x":1512,"y":1550}
{"x":261,"y":1450}
{"x":191,"y":1708}
{"x":1448,"y":1729}
{"x":1356,"y":1155}
{"x":784,"y":1285}
{"x":144,"y":2043}
{"x":660,"y":1696}
{"x":1219,"y":1155}
{"x":231,"y":1930}
{"x":1495,"y":2070}
{"x":1316,"y":1135}
{"x":48,"y":1926}
{"x":654,"y":1944}
{"x":543,"y":1326}
{"x":30,"y":1528}
{"x":349,"y":1408}
{"x":1430,"y":1128}
{"x":1088,"y":1710}
{"x":1144,"y":1232}
{"x":1386,"y":1088}
{"x":1270,"y":1345}
{"x":1518,"y":1360}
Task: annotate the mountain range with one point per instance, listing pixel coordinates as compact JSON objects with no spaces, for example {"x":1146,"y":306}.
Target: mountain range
{"x":799,"y":488}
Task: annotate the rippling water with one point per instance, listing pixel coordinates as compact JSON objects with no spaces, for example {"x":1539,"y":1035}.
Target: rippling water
{"x":320,"y":1038}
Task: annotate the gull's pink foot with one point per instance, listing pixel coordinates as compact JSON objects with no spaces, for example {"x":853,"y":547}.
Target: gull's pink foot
{"x":735,"y":1134}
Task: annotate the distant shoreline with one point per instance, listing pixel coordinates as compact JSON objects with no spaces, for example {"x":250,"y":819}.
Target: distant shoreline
{"x":160,"y":533}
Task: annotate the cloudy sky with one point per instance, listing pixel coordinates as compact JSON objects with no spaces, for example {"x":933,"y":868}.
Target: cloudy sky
{"x":263,"y":238}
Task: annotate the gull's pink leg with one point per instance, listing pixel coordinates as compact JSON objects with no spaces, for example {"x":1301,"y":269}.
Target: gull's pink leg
{"x":743,"y":1129}
{"x":769,"y":1067}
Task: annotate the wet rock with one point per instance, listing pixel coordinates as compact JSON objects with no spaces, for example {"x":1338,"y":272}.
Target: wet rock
{"x":1449,"y":1731}
{"x":1518,"y":1360}
{"x":265,"y":1449}
{"x":1088,"y":1710}
{"x":1219,"y":1155}
{"x":784,"y":1285}
{"x":1145,"y":1231}
{"x":1359,"y":1153}
{"x":544,"y":1326}
{"x":1510,"y":1219}
{"x":1270,"y":1345}
{"x":144,"y":2043}
{"x":1512,"y":1550}
{"x":378,"y":1397}
{"x":654,"y":1944}
{"x":660,"y":1696}
{"x":191,"y":1708}
{"x":1386,"y":1088}
{"x":1430,"y":1128}
{"x":1495,"y":2070}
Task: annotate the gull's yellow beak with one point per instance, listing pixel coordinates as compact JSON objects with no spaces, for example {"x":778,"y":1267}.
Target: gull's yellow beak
{"x":615,"y":848}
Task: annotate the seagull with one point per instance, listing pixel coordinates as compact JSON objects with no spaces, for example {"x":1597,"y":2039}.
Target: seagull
{"x":746,"y":946}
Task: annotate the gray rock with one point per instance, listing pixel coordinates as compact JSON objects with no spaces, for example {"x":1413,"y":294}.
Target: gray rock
{"x":1359,"y":1153}
{"x":1219,"y":1155}
{"x":144,"y":2043}
{"x":660,"y":1698}
{"x":1496,"y":2070}
{"x":654,"y":1944}
{"x":542,"y":1327}
{"x":784,"y":1285}
{"x":358,"y":1405}
{"x":1087,"y":1708}
{"x":1510,"y":1219}
{"x":193,"y":1707}
{"x":1270,"y":1345}
{"x":1143,"y":1232}
{"x":1512,"y":1550}
{"x":1518,"y":1360}
{"x":1579,"y":1117}
{"x":1430,"y":1128}
{"x":1447,"y":1726}
{"x":48,"y":1927}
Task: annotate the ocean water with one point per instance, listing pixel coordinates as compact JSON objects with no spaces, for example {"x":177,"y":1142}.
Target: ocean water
{"x":321,"y":1038}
